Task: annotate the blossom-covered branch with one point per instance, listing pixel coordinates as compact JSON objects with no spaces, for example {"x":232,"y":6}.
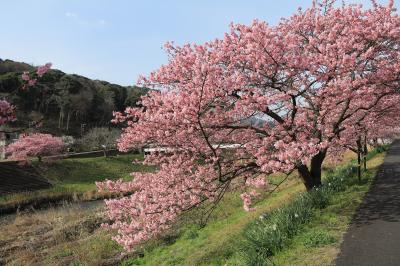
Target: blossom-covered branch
{"x":283,"y":96}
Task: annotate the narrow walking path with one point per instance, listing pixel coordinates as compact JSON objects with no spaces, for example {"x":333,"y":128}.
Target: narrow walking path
{"x":373,"y":237}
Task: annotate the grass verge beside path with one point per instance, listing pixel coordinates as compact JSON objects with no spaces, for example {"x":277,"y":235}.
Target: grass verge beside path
{"x":316,"y":240}
{"x":319,"y":242}
{"x":217,"y":243}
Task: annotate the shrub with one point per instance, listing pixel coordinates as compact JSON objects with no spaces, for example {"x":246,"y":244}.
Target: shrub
{"x":99,"y":138}
{"x":68,"y":141}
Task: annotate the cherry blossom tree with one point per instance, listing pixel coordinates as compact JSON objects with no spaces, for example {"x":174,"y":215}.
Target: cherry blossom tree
{"x":382,"y":121}
{"x":7,"y":111}
{"x":35,"y":145}
{"x":263,"y":99}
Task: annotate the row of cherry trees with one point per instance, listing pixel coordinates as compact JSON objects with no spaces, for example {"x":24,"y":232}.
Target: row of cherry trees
{"x":319,"y":82}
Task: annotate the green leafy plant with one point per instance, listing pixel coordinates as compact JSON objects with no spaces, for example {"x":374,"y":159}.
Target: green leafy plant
{"x":318,"y":238}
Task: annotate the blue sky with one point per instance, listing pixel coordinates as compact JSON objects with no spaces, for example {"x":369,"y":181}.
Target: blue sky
{"x":117,"y":40}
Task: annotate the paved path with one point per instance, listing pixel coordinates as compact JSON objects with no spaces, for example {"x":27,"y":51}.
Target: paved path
{"x":373,"y":237}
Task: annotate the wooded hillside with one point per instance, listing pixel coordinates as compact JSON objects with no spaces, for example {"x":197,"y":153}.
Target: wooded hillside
{"x":64,"y":101}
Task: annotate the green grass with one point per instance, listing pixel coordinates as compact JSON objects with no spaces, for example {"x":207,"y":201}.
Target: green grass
{"x":74,"y":179}
{"x":81,"y":174}
{"x":220,"y":241}
{"x":217,"y":242}
{"x":318,"y":238}
{"x":318,"y":241}
{"x":308,"y":248}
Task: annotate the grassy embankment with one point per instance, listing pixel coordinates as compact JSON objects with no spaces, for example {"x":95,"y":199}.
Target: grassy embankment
{"x":219,"y":243}
{"x":74,"y":179}
{"x":319,"y":241}
{"x":72,"y":236}
{"x":312,"y":224}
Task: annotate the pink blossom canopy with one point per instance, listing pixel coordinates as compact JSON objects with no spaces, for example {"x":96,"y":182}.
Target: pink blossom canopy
{"x":263,"y":99}
{"x":36,"y":144}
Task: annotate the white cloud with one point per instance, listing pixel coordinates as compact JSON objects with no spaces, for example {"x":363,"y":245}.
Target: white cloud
{"x":84,"y":22}
{"x":71,"y":15}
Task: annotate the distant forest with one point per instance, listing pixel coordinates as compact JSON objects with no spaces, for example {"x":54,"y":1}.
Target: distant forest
{"x":67,"y":104}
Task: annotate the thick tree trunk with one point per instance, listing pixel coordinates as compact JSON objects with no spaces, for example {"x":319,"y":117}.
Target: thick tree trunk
{"x":312,"y":175}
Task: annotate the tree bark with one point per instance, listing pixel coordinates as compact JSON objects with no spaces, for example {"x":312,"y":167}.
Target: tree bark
{"x":68,"y":117}
{"x":312,"y":175}
{"x":59,"y":120}
{"x":359,"y":150}
{"x":365,"y":152}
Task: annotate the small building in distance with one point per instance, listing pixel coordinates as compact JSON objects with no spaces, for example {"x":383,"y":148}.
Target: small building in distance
{"x":5,"y":139}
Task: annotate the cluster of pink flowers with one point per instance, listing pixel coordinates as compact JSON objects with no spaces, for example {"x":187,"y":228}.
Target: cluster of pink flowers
{"x":41,"y":70}
{"x":30,"y":82}
{"x":36,"y":144}
{"x":259,"y":182}
{"x":31,"y":79}
{"x":158,"y":199}
{"x":263,"y":99}
{"x":7,"y":113}
{"x":247,"y":201}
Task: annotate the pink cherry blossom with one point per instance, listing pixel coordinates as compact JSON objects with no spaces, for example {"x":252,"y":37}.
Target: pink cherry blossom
{"x":36,"y":144}
{"x":41,"y":70}
{"x":262,"y":99}
{"x":7,"y":112}
{"x":31,"y":79}
{"x":247,"y":201}
{"x":32,"y":82}
{"x":25,"y":76}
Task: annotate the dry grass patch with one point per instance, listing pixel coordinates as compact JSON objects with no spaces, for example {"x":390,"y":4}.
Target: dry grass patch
{"x":57,"y":236}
